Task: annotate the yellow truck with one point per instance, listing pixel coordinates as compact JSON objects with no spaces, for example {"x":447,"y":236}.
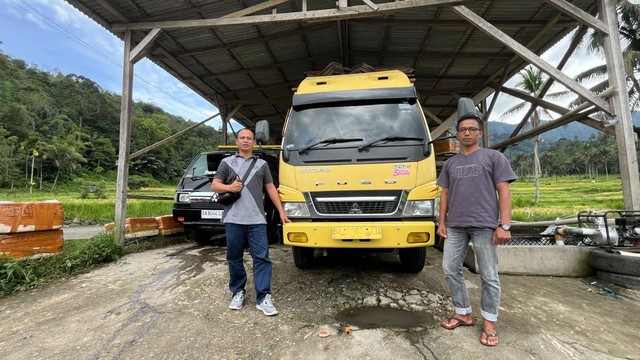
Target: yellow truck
{"x":357,"y":168}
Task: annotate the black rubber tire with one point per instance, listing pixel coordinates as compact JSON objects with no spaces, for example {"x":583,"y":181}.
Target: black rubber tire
{"x":601,"y":259}
{"x":412,"y":260}
{"x":202,"y":237}
{"x":628,"y":281}
{"x":303,"y":257}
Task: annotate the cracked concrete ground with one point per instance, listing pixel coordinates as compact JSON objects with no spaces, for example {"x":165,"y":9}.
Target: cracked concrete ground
{"x":172,"y":303}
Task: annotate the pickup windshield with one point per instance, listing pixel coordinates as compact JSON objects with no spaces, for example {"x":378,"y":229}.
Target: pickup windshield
{"x":361,"y":122}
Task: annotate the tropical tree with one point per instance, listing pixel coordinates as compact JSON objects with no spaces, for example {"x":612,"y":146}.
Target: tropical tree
{"x":532,"y":81}
{"x":64,"y":155}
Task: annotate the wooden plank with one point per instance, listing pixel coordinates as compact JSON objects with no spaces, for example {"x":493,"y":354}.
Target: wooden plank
{"x":167,"y":225}
{"x":136,"y":228}
{"x":22,"y":245}
{"x":18,"y":217}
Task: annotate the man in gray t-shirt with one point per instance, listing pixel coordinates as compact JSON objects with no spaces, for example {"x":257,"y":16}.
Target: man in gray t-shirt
{"x":245,"y":223}
{"x":470,"y":211}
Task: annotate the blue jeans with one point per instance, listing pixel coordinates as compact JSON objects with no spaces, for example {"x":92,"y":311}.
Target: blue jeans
{"x":455,"y":249}
{"x":256,"y":236}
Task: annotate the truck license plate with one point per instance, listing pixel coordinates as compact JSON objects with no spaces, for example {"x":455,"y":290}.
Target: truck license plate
{"x":357,"y":232}
{"x":211,"y":214}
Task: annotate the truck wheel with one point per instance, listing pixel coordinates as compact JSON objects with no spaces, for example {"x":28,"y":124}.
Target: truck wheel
{"x":273,"y":233}
{"x":303,"y":257}
{"x":200,"y":236}
{"x":412,"y":259}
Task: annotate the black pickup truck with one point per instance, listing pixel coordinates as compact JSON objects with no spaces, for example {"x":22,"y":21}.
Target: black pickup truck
{"x":196,"y":205}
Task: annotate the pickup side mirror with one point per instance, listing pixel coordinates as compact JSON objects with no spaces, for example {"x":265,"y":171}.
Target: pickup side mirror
{"x":262,"y":132}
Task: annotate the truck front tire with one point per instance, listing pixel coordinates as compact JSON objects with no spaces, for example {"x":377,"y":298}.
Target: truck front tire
{"x":412,"y":259}
{"x":303,"y":257}
{"x":202,"y":237}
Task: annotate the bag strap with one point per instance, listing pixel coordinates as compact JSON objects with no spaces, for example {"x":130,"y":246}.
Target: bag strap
{"x":246,"y":173}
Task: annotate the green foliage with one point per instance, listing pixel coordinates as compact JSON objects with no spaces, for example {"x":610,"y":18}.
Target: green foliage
{"x":76,"y":257}
{"x":564,"y":197}
{"x":137,"y":182}
{"x":75,"y":126}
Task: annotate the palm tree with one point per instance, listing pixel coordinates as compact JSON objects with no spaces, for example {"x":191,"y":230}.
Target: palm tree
{"x":629,"y":29}
{"x":64,"y":155}
{"x":532,"y":81}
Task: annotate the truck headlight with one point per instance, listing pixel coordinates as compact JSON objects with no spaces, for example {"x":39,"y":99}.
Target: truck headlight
{"x":419,"y":208}
{"x":184,"y":197}
{"x":293,"y":209}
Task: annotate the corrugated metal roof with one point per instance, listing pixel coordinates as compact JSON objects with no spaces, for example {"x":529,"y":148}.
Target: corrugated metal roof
{"x":257,"y":65}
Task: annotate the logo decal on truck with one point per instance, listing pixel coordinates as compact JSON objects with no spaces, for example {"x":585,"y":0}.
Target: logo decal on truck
{"x":401,"y":170}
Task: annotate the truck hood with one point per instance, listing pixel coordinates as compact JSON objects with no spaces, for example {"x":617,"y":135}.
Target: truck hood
{"x":389,"y":176}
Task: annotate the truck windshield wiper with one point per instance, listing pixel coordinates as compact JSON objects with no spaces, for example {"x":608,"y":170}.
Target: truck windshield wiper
{"x":327,"y":142}
{"x":389,"y":139}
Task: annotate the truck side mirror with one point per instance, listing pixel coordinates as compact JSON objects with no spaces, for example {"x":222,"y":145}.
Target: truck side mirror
{"x":262,"y":132}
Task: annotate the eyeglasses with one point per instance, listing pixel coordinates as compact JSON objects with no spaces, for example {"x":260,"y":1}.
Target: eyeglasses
{"x":471,"y":130}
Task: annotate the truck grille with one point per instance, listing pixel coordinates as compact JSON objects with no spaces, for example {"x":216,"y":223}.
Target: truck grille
{"x":360,"y":205}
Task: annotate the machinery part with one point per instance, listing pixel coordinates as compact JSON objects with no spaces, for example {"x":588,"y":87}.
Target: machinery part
{"x":412,"y":259}
{"x":614,"y":262}
{"x":628,"y":281}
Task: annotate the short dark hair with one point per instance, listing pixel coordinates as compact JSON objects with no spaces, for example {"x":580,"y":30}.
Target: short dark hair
{"x":471,"y":116}
{"x":251,"y":131}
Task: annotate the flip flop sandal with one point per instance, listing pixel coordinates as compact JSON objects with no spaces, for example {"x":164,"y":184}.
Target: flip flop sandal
{"x":460,"y":322}
{"x":486,"y":338}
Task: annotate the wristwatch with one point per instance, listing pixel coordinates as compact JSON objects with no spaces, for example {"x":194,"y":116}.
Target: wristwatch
{"x":505,"y":227}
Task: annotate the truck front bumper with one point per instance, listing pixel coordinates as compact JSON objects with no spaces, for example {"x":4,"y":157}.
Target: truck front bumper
{"x":366,"y":235}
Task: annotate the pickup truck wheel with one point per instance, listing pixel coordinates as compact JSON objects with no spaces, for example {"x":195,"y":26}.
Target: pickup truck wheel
{"x":412,"y":259}
{"x":202,"y":237}
{"x":303,"y":257}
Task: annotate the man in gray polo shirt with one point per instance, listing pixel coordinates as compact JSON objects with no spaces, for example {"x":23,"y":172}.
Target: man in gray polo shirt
{"x":471,"y":211}
{"x":245,"y":221}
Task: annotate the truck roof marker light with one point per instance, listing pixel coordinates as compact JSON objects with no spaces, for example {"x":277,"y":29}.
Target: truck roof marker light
{"x":297,"y":237}
{"x":181,"y":218}
{"x":418,"y":237}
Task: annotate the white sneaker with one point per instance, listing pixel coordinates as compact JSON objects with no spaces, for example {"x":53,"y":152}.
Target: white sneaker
{"x":267,"y":306}
{"x":237,"y":301}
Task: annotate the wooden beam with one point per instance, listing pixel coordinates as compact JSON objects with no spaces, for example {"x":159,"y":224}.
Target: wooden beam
{"x":142,"y":49}
{"x":255,"y":8}
{"x":625,"y":137}
{"x":575,"y":12}
{"x":166,"y":140}
{"x":122,"y":177}
{"x":348,"y":12}
{"x":530,"y":57}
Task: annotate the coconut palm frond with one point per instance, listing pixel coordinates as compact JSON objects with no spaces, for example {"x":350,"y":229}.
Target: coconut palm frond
{"x":597,"y":88}
{"x":593,"y":73}
{"x":513,"y":111}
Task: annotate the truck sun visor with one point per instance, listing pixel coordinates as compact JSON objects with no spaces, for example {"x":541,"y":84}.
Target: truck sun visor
{"x":350,"y":95}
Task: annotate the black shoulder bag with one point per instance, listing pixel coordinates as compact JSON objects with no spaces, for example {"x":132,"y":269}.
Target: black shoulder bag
{"x":228,"y":198}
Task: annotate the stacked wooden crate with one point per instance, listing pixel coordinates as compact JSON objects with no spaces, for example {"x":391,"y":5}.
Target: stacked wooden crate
{"x":30,"y":228}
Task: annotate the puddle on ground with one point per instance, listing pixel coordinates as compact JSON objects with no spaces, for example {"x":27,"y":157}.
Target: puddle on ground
{"x":374,"y":317}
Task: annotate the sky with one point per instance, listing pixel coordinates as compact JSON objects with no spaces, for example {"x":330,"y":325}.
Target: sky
{"x":53,"y":35}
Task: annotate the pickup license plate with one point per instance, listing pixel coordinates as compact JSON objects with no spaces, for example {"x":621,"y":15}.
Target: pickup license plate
{"x":357,"y":232}
{"x":211,"y":214}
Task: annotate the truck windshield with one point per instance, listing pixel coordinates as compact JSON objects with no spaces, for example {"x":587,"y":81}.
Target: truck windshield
{"x":363,"y":121}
